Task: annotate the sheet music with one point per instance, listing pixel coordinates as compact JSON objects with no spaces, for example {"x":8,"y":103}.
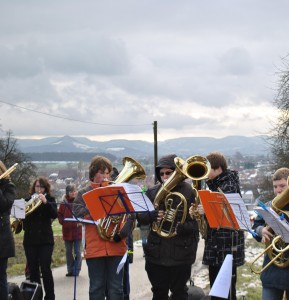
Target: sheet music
{"x":122,"y":262}
{"x":18,"y":209}
{"x":281,"y":227}
{"x":222,"y":283}
{"x":239,"y":208}
{"x":138,"y":199}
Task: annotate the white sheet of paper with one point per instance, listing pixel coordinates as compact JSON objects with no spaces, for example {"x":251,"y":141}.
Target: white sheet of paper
{"x":281,"y":227}
{"x":240,"y":210}
{"x":222,"y":284}
{"x":18,"y":209}
{"x":138,"y":199}
{"x":122,"y":262}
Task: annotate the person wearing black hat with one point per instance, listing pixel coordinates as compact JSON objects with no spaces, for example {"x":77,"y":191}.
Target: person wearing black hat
{"x":169,"y":260}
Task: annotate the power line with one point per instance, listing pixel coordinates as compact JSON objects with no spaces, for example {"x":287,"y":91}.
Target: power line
{"x":71,"y":119}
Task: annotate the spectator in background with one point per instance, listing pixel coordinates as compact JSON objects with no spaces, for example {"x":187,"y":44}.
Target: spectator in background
{"x":38,"y":236}
{"x":7,"y":247}
{"x":71,"y":232}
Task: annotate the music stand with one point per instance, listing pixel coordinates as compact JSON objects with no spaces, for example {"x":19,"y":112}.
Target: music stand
{"x":116,"y":199}
{"x":225,"y":211}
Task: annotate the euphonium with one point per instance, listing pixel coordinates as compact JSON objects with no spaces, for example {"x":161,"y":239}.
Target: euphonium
{"x":30,"y":206}
{"x":196,"y":168}
{"x":108,"y":226}
{"x":277,"y":250}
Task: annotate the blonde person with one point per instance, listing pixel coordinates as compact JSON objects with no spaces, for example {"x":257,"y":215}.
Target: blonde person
{"x":274,"y":279}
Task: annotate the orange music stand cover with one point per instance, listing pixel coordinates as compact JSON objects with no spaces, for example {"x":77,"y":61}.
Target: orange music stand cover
{"x":218,"y":210}
{"x":109,"y":200}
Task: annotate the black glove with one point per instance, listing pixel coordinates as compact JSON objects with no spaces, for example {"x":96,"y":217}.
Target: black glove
{"x":117,"y":238}
{"x":154,"y":215}
{"x":180,"y":229}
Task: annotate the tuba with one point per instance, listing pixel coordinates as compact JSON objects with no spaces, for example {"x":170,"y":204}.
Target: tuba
{"x":110,"y":225}
{"x":277,"y":250}
{"x":196,"y":168}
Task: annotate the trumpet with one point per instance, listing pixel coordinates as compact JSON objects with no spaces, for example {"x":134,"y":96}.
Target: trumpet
{"x":9,"y":171}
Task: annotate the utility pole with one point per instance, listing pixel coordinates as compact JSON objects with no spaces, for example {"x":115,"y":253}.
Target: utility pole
{"x":155,"y":146}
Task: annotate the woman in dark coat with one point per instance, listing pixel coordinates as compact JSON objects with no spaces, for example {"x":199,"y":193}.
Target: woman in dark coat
{"x":38,"y":236}
{"x":7,"y":247}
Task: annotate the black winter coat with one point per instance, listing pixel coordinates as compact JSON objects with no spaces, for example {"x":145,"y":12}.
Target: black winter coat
{"x":7,"y":197}
{"x":38,"y":225}
{"x":180,"y":249}
{"x":221,"y":242}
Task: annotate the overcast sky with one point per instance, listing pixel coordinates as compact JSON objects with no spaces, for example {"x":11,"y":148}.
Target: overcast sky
{"x":197,"y":67}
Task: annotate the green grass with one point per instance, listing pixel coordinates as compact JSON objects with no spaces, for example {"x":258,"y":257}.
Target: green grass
{"x":249,"y":283}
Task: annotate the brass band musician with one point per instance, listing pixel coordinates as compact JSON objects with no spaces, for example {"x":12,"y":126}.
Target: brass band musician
{"x":169,"y":259}
{"x":274,"y":279}
{"x":7,"y":247}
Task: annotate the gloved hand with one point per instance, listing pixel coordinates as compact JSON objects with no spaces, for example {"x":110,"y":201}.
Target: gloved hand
{"x":116,"y":238}
{"x":130,"y":256}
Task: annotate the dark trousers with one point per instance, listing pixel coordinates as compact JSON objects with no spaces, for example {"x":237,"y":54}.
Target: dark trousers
{"x":164,"y":279}
{"x":213,"y":272}
{"x":39,"y":256}
{"x":3,"y":278}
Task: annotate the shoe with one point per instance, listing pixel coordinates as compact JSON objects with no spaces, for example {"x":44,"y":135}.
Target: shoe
{"x":69,"y":275}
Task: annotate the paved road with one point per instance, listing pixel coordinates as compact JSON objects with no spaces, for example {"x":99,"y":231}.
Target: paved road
{"x":67,"y":288}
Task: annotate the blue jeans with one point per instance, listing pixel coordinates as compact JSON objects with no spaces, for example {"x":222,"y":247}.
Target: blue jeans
{"x":3,"y":279}
{"x":102,"y":275}
{"x":273,"y":294}
{"x":73,"y":256}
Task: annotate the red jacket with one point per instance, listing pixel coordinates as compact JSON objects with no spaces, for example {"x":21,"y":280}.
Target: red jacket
{"x":70,"y":230}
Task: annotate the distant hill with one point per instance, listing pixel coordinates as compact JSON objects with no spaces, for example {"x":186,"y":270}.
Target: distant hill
{"x":183,"y":146}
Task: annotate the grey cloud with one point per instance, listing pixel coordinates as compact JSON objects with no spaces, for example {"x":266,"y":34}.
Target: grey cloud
{"x":84,"y":52}
{"x":236,"y":61}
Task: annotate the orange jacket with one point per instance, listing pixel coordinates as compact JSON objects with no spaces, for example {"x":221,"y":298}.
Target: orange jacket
{"x":95,"y":246}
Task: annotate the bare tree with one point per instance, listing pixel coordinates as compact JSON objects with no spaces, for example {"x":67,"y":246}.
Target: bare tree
{"x":279,"y":136}
{"x":25,"y":171}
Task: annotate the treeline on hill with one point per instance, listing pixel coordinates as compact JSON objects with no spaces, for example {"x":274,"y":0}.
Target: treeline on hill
{"x":67,"y":156}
